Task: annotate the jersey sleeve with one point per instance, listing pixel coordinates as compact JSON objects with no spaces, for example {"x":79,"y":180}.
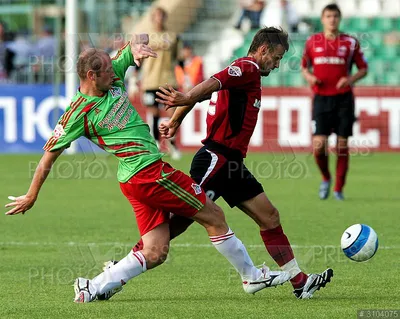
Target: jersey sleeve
{"x":359,"y":57}
{"x":122,"y":60}
{"x":238,"y":75}
{"x":67,"y":130}
{"x":306,"y":61}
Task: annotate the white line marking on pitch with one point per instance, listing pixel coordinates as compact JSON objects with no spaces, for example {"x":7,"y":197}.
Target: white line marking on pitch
{"x":184,"y":245}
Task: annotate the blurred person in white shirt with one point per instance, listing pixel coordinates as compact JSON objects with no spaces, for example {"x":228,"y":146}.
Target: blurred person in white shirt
{"x":290,"y":16}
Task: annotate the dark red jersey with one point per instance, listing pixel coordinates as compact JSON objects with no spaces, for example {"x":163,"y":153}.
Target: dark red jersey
{"x":331,"y":60}
{"x":232,"y":116}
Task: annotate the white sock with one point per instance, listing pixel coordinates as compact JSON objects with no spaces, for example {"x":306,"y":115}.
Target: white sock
{"x":233,"y":250}
{"x":292,"y":268}
{"x":130,"y":266}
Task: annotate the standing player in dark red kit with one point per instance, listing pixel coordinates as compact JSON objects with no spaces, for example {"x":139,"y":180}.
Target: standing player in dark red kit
{"x":218,"y":166}
{"x":331,"y":55}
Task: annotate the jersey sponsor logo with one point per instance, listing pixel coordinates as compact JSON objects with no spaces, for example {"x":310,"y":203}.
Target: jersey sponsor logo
{"x":58,"y":131}
{"x":196,"y":188}
{"x":119,"y":115}
{"x":115,"y":91}
{"x":234,"y":71}
{"x":329,"y":60}
{"x":319,"y":49}
{"x":257,"y":103}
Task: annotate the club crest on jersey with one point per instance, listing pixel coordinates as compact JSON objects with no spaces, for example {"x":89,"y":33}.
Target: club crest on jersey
{"x":58,"y":131}
{"x":196,"y":188}
{"x":115,"y":91}
{"x":234,"y":71}
{"x":342,"y":50}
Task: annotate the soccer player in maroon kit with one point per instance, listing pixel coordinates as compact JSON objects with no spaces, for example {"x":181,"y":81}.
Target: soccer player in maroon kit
{"x":218,"y":166}
{"x":331,"y":55}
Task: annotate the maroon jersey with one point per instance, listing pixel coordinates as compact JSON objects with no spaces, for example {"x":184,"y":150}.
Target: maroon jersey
{"x":232,"y":117}
{"x":331,"y":60}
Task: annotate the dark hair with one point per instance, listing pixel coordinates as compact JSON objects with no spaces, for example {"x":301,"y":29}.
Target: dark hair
{"x":332,"y":7}
{"x":271,"y":36}
{"x":90,"y":59}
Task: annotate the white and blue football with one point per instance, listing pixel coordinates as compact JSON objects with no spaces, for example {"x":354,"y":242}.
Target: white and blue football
{"x":359,"y":242}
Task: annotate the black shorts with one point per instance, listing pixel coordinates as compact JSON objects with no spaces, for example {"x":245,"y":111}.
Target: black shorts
{"x":333,"y":114}
{"x":221,"y":172}
{"x":149,"y":98}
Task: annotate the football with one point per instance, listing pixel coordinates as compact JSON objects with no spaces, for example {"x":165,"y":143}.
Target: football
{"x":359,"y":242}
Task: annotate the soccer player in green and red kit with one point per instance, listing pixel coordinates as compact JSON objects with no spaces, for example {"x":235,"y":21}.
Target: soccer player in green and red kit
{"x":102,"y":112}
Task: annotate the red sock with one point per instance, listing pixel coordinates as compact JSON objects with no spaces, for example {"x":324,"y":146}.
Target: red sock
{"x":342,"y":165}
{"x":138,"y":246}
{"x":278,"y":247}
{"x":323,"y":164}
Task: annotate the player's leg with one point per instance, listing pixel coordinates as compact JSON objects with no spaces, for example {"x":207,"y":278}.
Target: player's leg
{"x":111,"y":280}
{"x":153,"y":254}
{"x":322,"y":128}
{"x":247,"y":193}
{"x":261,"y":210}
{"x":153,"y":227}
{"x":344,"y":129}
{"x":212,"y":218}
{"x":183,"y":197}
{"x":177,"y":226}
{"x":342,"y":166}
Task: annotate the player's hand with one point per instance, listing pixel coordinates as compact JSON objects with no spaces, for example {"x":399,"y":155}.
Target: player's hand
{"x":313,"y":80}
{"x":168,"y":128}
{"x":171,"y":97}
{"x":21,"y":204}
{"x":343,"y":82}
{"x":140,"y":49}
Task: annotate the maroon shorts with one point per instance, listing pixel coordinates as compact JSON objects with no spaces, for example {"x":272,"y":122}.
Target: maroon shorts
{"x":158,"y":190}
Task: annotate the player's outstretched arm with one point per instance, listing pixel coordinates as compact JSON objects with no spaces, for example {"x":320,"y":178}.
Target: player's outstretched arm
{"x":25,"y":202}
{"x":140,"y":49}
{"x":173,"y":98}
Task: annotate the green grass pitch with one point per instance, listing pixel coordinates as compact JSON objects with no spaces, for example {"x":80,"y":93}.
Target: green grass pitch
{"x":81,"y":220}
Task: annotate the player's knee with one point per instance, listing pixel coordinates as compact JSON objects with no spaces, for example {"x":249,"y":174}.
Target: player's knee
{"x":216,"y":217}
{"x":155,"y":255}
{"x":218,"y":213}
{"x":271,"y":220}
{"x":319,"y":146}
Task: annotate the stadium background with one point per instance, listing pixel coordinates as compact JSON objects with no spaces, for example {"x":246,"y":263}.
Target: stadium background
{"x":29,"y":95}
{"x":81,"y":219}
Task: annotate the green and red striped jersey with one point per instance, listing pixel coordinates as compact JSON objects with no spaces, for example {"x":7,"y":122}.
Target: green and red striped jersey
{"x":111,"y":122}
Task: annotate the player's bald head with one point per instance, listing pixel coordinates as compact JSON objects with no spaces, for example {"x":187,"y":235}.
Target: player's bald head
{"x":91,"y":59}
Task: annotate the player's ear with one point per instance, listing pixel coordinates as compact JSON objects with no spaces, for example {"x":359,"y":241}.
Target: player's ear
{"x":265,"y":48}
{"x":90,"y":75}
